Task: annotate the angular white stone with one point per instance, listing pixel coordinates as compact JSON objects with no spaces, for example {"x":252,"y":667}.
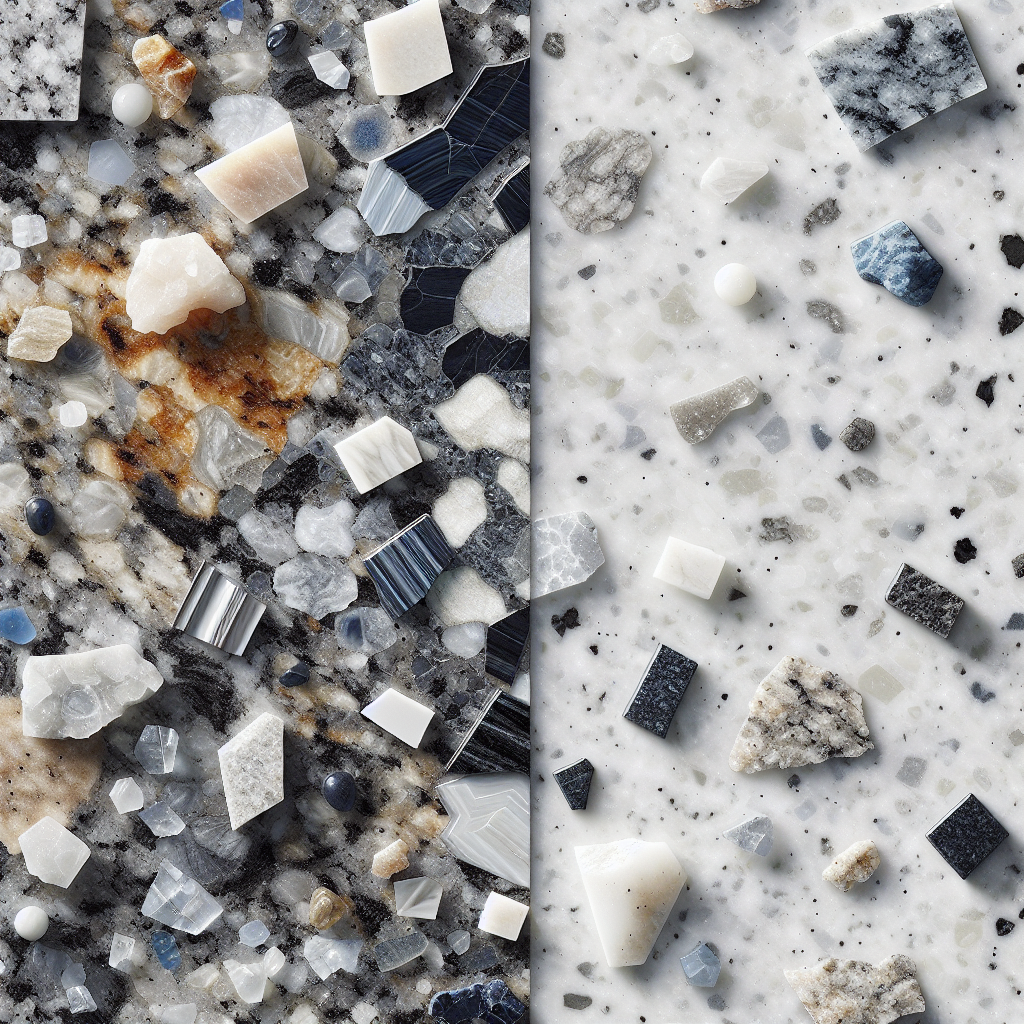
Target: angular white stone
{"x":259,"y":177}
{"x":342,"y":231}
{"x":407,"y":49}
{"x":387,"y":203}
{"x":173,"y":276}
{"x":329,"y":69}
{"x":418,"y":897}
{"x":15,"y":485}
{"x":31,"y":922}
{"x":566,"y":551}
{"x":52,"y":853}
{"x":377,"y":453}
{"x":252,"y":769}
{"x":126,"y":796}
{"x":365,"y":1013}
{"x":399,"y":715}
{"x":326,"y":955}
{"x":315,"y":585}
{"x":80,"y":999}
{"x":669,"y":50}
{"x":75,"y":695}
{"x":239,"y":120}
{"x":462,"y":595}
{"x":249,"y":980}
{"x":72,"y":414}
{"x":460,"y":510}
{"x":631,"y":886}
{"x":515,"y":478}
{"x":498,"y":292}
{"x":27,"y":230}
{"x":40,"y":333}
{"x":253,"y":934}
{"x":465,"y":640}
{"x":392,"y":859}
{"x":270,"y":538}
{"x":503,"y":916}
{"x":121,"y":949}
{"x":326,"y":531}
{"x":855,"y":864}
{"x":162,"y":820}
{"x":109,"y":163}
{"x":180,"y":902}
{"x":156,"y":749}
{"x":273,"y":961}
{"x":10,"y":259}
{"x":481,"y":415}
{"x":690,"y":567}
{"x":727,"y":179}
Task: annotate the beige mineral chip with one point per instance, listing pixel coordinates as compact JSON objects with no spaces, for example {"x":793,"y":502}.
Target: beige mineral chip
{"x":855,"y":864}
{"x":697,"y":417}
{"x":327,"y":908}
{"x":390,"y":860}
{"x":168,"y":73}
{"x":40,"y":333}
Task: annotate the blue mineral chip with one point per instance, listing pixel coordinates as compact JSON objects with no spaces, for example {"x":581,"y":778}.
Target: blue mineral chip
{"x":232,"y":10}
{"x":701,"y":966}
{"x":16,"y":626}
{"x":165,"y":947}
{"x":491,"y":1002}
{"x":893,"y":257}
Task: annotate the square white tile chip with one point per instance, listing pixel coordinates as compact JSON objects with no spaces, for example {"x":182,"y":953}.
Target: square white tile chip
{"x":377,"y":453}
{"x":399,"y":715}
{"x":690,"y":567}
{"x":502,"y":916}
{"x":407,"y":49}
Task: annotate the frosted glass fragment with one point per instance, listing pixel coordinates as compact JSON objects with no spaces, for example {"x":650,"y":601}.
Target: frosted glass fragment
{"x":465,"y":640}
{"x":252,"y":769}
{"x":418,"y":897}
{"x":377,"y":453}
{"x":168,"y":73}
{"x":180,"y":902}
{"x":855,"y":864}
{"x":121,"y":949}
{"x":109,"y":163}
{"x":774,"y":435}
{"x":497,"y":293}
{"x":392,"y":859}
{"x":727,"y":179}
{"x":669,"y":50}
{"x":98,"y":509}
{"x":315,"y":585}
{"x":80,"y":999}
{"x":273,"y":961}
{"x":364,"y":1013}
{"x":690,"y":567}
{"x":394,"y":953}
{"x":342,"y":231}
{"x":365,"y":631}
{"x":28,"y":229}
{"x":399,"y":715}
{"x":162,"y":820}
{"x":386,"y":203}
{"x":52,"y":853}
{"x":156,"y":749}
{"x":239,"y":120}
{"x":407,"y":49}
{"x":10,"y":259}
{"x":329,"y":69}
{"x":249,"y":980}
{"x":566,"y":552}
{"x":287,"y":317}
{"x":40,"y":333}
{"x":326,"y":531}
{"x":182,"y":1013}
{"x":326,"y":956}
{"x":755,"y":835}
{"x":701,"y":966}
{"x":697,"y":417}
{"x":226,"y":454}
{"x":503,"y":916}
{"x":459,"y":941}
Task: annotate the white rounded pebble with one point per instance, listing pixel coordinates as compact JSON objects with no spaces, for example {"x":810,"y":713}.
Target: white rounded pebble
{"x":31,"y":922}
{"x":253,"y":933}
{"x":73,"y":414}
{"x":132,"y":104}
{"x":735,"y":284}
{"x":669,"y":50}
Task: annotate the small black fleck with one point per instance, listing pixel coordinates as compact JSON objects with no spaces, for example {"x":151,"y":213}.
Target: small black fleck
{"x":1004,"y":927}
{"x":964,"y":551}
{"x":956,"y":511}
{"x":569,"y":619}
{"x":987,"y":390}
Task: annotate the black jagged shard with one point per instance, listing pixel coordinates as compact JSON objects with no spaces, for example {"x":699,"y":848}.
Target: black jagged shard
{"x":492,"y":1002}
{"x":661,"y":688}
{"x":499,"y":739}
{"x":404,"y":568}
{"x":924,"y":600}
{"x":506,"y":641}
{"x":480,"y":352}
{"x":428,"y":302}
{"x":574,"y":782}
{"x":513,"y":200}
{"x":967,"y":835}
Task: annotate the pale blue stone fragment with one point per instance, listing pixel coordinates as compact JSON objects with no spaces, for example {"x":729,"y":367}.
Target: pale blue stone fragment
{"x":701,"y":966}
{"x":253,"y":933}
{"x":893,"y":257}
{"x":774,"y":435}
{"x":16,"y":626}
{"x":754,"y":835}
{"x":109,"y":163}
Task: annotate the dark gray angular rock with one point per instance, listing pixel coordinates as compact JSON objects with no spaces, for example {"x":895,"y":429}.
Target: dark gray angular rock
{"x":924,"y":600}
{"x":858,"y":435}
{"x":967,"y":835}
{"x":574,"y":782}
{"x":499,"y":739}
{"x":661,"y":688}
{"x":1018,"y":566}
{"x":894,"y":257}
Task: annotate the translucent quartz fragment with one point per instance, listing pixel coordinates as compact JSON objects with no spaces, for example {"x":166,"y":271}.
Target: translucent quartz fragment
{"x":239,"y":120}
{"x":287,"y":317}
{"x":735,"y":284}
{"x":503,"y":916}
{"x":497,"y":293}
{"x":252,"y":769}
{"x":315,"y":585}
{"x":98,"y":509}
{"x":387,"y":203}
{"x":259,"y":177}
{"x":392,"y":859}
{"x":841,"y":991}
{"x":225,"y":453}
{"x":399,"y":715}
{"x":180,"y":1013}
{"x":894,"y":257}
{"x":489,"y":824}
{"x":459,"y":941}
{"x":407,"y":49}
{"x":329,"y":69}
{"x":327,"y":908}
{"x":418,"y":897}
{"x":326,"y":955}
{"x":491,"y":1002}
{"x":161,"y":820}
{"x":253,"y":934}
{"x":80,"y":999}
{"x":924,"y":600}
{"x":967,"y":835}
{"x":394,"y":953}
{"x":697,"y":417}
{"x":326,"y":531}
{"x":242,"y":70}
{"x":132,"y":105}
{"x":800,"y":714}
{"x":774,"y":435}
{"x":481,"y":415}
{"x":156,"y":749}
{"x":383,"y":450}
{"x":172,"y":276}
{"x":465,"y":640}
{"x":365,"y":631}
{"x":168,"y":73}
{"x":10,"y":259}
{"x":109,"y":163}
{"x":566,"y":551}
{"x":755,"y":835}
{"x":40,"y":333}
{"x":727,"y":179}
{"x":28,"y":229}
{"x":72,"y":414}
{"x":75,"y":695}
{"x":342,"y":231}
{"x":273,"y":961}
{"x":249,"y":980}
{"x":16,"y":626}
{"x":669,"y":50}
{"x":631,"y":886}
{"x":52,"y":853}
{"x":690,"y":567}
{"x":121,"y":949}
{"x":855,"y":864}
{"x":701,"y":966}
{"x":180,"y":902}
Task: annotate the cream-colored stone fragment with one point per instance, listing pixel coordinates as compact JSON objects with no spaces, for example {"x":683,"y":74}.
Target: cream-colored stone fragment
{"x":40,"y":333}
{"x":327,"y":908}
{"x":408,"y":49}
{"x":390,"y":860}
{"x":260,"y":176}
{"x":481,"y":415}
{"x":252,"y":769}
{"x":856,"y":864}
{"x":168,"y":73}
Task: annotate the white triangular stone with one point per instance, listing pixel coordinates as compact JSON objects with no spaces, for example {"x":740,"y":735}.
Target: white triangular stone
{"x":728,"y":179}
{"x":252,"y":769}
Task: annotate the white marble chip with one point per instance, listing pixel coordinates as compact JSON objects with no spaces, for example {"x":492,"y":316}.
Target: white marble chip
{"x":126,"y":796}
{"x":40,"y":333}
{"x":399,"y":715}
{"x":690,"y":567}
{"x":497,"y":293}
{"x":503,"y":916}
{"x":481,"y":415}
{"x":379,"y":452}
{"x":252,"y":769}
{"x":52,"y":853}
{"x":408,"y":49}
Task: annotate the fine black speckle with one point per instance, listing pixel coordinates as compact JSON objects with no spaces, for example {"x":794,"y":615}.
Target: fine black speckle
{"x":956,"y":511}
{"x":964,"y":551}
{"x":1004,"y":927}
{"x":987,"y":390}
{"x":1013,"y":250}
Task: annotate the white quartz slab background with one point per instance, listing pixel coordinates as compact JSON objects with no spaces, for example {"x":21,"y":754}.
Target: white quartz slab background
{"x":594,"y":375}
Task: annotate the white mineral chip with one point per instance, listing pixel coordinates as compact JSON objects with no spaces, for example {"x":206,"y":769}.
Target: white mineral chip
{"x":172,"y":276}
{"x":10,"y":259}
{"x":227,"y":454}
{"x":631,"y":886}
{"x":399,"y":715}
{"x":342,"y":231}
{"x":481,"y":415}
{"x":460,"y":510}
{"x":181,"y":1013}
{"x":239,"y":120}
{"x":727,"y":179}
{"x":326,"y":955}
{"x":40,"y":333}
{"x":755,"y":835}
{"x":503,"y":916}
{"x":109,"y":163}
{"x":121,"y":949}
{"x":459,"y":941}
{"x":854,"y":992}
{"x":669,"y":50}
{"x":800,"y":714}
{"x":252,"y":769}
{"x":273,"y":961}
{"x":690,"y":567}
{"x":15,"y":485}
{"x":259,"y":177}
{"x":243,"y":70}
{"x":394,"y":953}
{"x":387,"y":203}
{"x":465,"y":640}
{"x":418,"y":897}
{"x":855,"y":864}
{"x":462,"y":595}
{"x":326,"y":531}
{"x":364,"y":1013}
{"x":269,"y":536}
{"x":315,"y":585}
{"x":287,"y":317}
{"x":329,"y":69}
{"x":51,"y":852}
{"x":80,"y":999}
{"x":253,"y":934}
{"x":180,"y":902}
{"x":383,"y":450}
{"x":75,"y":695}
{"x":27,"y":230}
{"x":99,"y":509}
{"x":489,"y":822}
{"x":696,"y":417}
{"x":515,"y":478}
{"x":497,"y":293}
{"x":73,"y":414}
{"x":250,"y":980}
{"x":407,"y":49}
{"x":162,"y":820}
{"x":392,"y":859}
{"x":156,"y":749}
{"x":566,"y":551}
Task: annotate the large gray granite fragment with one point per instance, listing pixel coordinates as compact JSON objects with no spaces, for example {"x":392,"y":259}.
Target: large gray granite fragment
{"x":800,"y":714}
{"x":854,"y":992}
{"x":697,"y":417}
{"x":924,"y":600}
{"x":888,"y":75}
{"x":565,"y":552}
{"x":710,"y":6}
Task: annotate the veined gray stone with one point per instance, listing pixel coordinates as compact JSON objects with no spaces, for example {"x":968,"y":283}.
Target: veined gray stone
{"x":566,"y":551}
{"x":697,"y":417}
{"x":226,"y":454}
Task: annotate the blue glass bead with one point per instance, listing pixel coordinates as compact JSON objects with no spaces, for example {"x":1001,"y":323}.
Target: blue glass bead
{"x":339,"y":790}
{"x":166,"y":949}
{"x":281,"y":37}
{"x":296,"y":675}
{"x":232,"y":10}
{"x":16,"y":626}
{"x":40,"y":516}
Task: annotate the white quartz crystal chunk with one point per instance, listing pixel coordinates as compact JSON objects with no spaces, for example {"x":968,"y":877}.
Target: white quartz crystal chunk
{"x":31,"y":922}
{"x":503,"y":916}
{"x":481,"y":415}
{"x":408,"y":49}
{"x":690,"y":567}
{"x":252,"y":769}
{"x":566,"y":551}
{"x":132,"y":104}
{"x":121,"y":949}
{"x":273,"y":961}
{"x":755,"y":835}
{"x":399,"y":715}
{"x":387,"y":203}
{"x":631,"y":886}
{"x":162,"y":820}
{"x":253,"y":934}
{"x":109,"y":163}
{"x":52,"y":853}
{"x":329,"y":69}
{"x":126,"y":796}
{"x":735,"y":284}
{"x":75,"y":695}
{"x":250,"y":980}
{"x":27,"y":230}
{"x":98,"y":509}
{"x":379,"y":452}
{"x":727,"y":179}
{"x":418,"y":897}
{"x":497,"y":293}
{"x":855,"y":864}
{"x":342,"y":231}
{"x":315,"y":585}
{"x":326,"y":531}
{"x":156,"y":749}
{"x":239,"y":120}
{"x":180,"y":902}
{"x":72,"y":414}
{"x":10,"y":259}
{"x":40,"y":333}
{"x":669,"y":50}
{"x":326,"y":956}
{"x":260,"y":176}
{"x":173,"y":276}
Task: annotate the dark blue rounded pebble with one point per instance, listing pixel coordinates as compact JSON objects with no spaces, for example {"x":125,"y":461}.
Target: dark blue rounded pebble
{"x":296,"y":675}
{"x":40,"y":516}
{"x":281,"y":37}
{"x":339,"y":790}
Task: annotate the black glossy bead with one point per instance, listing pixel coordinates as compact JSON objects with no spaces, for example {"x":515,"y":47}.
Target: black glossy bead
{"x":296,"y":675}
{"x":40,"y":516}
{"x":281,"y":37}
{"x":339,"y":790}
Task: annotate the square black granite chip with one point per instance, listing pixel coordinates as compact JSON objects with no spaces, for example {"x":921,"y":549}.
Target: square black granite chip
{"x":967,"y":835}
{"x":924,"y":600}
{"x":661,"y":688}
{"x":574,"y":782}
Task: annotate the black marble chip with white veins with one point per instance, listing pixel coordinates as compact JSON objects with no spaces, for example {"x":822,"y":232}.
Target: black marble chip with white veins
{"x":499,"y":740}
{"x":924,"y":600}
{"x":661,"y":688}
{"x":967,"y":835}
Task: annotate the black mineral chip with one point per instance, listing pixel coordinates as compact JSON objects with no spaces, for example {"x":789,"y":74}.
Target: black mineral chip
{"x":574,"y":782}
{"x":499,"y":740}
{"x":661,"y":688}
{"x":967,"y":835}
{"x":506,"y":642}
{"x":924,"y":600}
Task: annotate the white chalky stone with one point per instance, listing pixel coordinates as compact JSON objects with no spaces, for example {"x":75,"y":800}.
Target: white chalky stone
{"x":31,"y":922}
{"x":728,"y":179}
{"x":73,"y":414}
{"x":399,"y":715}
{"x":502,"y":916}
{"x":377,"y":453}
{"x":342,"y":231}
{"x":126,"y":796}
{"x":408,"y":49}
{"x":52,"y":853}
{"x":736,"y":284}
{"x":460,"y":510}
{"x":40,"y":333}
{"x":690,"y":567}
{"x":497,"y":293}
{"x":132,"y":104}
{"x":252,"y":769}
{"x":273,"y":961}
{"x":481,"y":415}
{"x":121,"y":949}
{"x":669,"y":50}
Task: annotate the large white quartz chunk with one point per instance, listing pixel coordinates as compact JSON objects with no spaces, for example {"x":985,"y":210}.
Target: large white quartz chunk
{"x":408,"y":49}
{"x":178,"y":901}
{"x":75,"y":695}
{"x":260,"y":176}
{"x":498,"y":292}
{"x":727,"y":179}
{"x":399,"y":715}
{"x":52,"y":853}
{"x":40,"y":333}
{"x":327,"y":955}
{"x":126,"y":796}
{"x":377,"y":453}
{"x":173,"y":276}
{"x":631,"y":885}
{"x":690,"y":567}
{"x":481,"y":415}
{"x":252,"y":769}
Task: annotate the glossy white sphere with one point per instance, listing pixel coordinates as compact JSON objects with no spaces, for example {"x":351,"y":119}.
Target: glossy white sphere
{"x":132,"y":104}
{"x":735,"y":284}
{"x":31,"y":922}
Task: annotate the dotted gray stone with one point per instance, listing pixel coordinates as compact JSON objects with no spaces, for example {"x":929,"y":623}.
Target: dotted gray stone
{"x":858,"y":435}
{"x":924,"y":600}
{"x":661,"y":688}
{"x":967,"y":835}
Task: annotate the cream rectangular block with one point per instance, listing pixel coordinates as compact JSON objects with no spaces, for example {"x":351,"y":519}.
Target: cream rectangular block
{"x":258,"y":177}
{"x":502,"y":916}
{"x":690,"y":567}
{"x":407,"y":49}
{"x":378,"y":452}
{"x":399,"y":715}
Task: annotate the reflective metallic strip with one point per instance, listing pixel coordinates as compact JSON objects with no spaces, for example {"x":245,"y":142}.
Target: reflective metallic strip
{"x":218,"y":611}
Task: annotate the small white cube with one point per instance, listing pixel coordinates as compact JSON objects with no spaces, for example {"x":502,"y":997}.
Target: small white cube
{"x":502,"y":916}
{"x":399,"y":715}
{"x":407,"y":49}
{"x":690,"y":567}
{"x":379,"y":452}
{"x":52,"y":853}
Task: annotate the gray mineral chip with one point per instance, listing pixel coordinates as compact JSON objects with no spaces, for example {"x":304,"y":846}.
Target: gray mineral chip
{"x":924,"y":600}
{"x":697,"y":417}
{"x":661,"y":688}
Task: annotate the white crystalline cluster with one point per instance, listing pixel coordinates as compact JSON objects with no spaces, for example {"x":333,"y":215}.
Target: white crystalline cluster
{"x":180,"y":902}
{"x":855,"y":864}
{"x":690,"y":567}
{"x":326,"y":956}
{"x":399,"y":715}
{"x":52,"y":853}
{"x":40,"y":333}
{"x":98,"y":509}
{"x":326,"y":531}
{"x":418,"y":897}
{"x":503,"y":916}
{"x":727,"y":179}
{"x":566,"y":551}
{"x":408,"y":49}
{"x":252,"y":769}
{"x":498,"y":292}
{"x":481,"y":415}
{"x":109,"y":163}
{"x":27,"y":230}
{"x":377,"y":453}
{"x":249,"y":980}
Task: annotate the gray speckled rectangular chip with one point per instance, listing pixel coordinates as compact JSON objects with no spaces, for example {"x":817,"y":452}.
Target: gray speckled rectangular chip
{"x":661,"y":688}
{"x":924,"y":600}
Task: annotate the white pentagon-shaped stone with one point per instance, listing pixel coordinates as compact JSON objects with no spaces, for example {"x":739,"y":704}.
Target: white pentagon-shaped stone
{"x":399,"y":715}
{"x":376,"y":453}
{"x":52,"y":853}
{"x":418,"y":897}
{"x":727,"y":179}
